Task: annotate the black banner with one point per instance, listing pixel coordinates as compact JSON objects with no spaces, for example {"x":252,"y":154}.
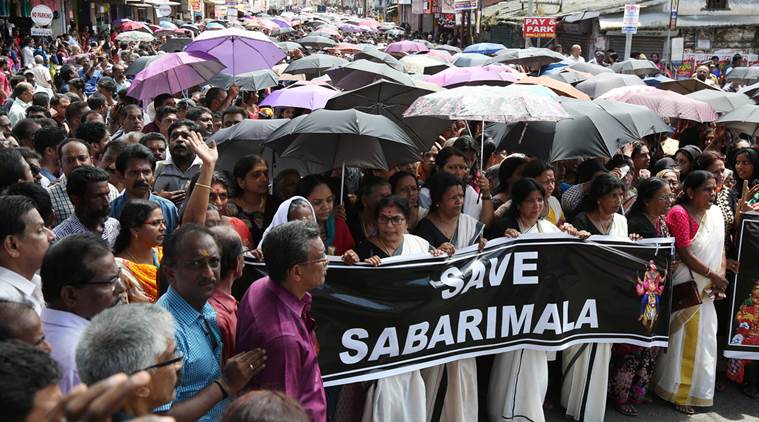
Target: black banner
{"x":541,"y":292}
{"x":743,"y":335}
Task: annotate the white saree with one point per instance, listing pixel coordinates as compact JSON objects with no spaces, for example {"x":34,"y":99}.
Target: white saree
{"x":519,"y":379}
{"x":586,"y":366}
{"x":399,"y":397}
{"x":460,"y":403}
{"x":685,"y":374}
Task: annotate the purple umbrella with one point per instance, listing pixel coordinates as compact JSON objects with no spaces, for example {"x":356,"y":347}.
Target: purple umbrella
{"x":406,"y":47}
{"x":351,"y":28}
{"x":173,"y":72}
{"x":311,"y":97}
{"x":458,"y":76}
{"x":282,"y":23}
{"x":239,"y":50}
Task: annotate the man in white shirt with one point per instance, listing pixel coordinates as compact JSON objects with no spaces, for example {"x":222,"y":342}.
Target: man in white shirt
{"x":27,"y":52}
{"x":25,"y":240}
{"x":575,"y":55}
{"x":42,"y":75}
{"x":23,"y":93}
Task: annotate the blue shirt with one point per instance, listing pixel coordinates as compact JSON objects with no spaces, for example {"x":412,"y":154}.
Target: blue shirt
{"x":170,"y":213}
{"x":202,"y":362}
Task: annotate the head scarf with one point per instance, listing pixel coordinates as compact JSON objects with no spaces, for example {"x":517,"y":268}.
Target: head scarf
{"x":282,"y":213}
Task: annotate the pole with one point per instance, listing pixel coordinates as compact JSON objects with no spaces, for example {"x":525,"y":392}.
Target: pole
{"x":628,"y":45}
{"x":342,"y":183}
{"x":530,"y":11}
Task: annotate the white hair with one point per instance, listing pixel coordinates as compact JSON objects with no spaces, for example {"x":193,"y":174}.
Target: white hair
{"x":125,"y":338}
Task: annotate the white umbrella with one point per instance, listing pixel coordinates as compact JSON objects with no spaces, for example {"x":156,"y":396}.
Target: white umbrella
{"x":135,"y":36}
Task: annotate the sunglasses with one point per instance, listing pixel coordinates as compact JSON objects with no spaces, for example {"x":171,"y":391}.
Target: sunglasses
{"x":177,"y":359}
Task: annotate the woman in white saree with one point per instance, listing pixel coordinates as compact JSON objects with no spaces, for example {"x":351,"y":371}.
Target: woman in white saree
{"x":685,"y":375}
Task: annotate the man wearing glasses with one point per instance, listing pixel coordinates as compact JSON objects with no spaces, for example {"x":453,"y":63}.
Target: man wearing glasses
{"x":275,"y":315}
{"x":80,"y":279}
{"x":191,"y":264}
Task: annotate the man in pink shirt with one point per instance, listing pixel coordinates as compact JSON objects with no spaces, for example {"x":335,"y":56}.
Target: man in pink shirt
{"x":222,"y":301}
{"x":275,"y":314}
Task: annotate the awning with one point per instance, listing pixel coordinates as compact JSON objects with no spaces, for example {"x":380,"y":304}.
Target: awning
{"x":659,"y":20}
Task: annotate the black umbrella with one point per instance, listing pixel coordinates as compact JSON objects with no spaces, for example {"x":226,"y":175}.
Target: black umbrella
{"x":391,"y":99}
{"x":243,"y":139}
{"x":528,"y":57}
{"x":595,"y":129}
{"x":314,"y":65}
{"x":374,"y":55}
{"x":317,"y":42}
{"x":250,"y":81}
{"x":174,"y":45}
{"x":141,"y":63}
{"x":363,"y":72}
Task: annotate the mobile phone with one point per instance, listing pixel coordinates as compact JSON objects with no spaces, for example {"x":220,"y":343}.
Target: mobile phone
{"x":623,"y":171}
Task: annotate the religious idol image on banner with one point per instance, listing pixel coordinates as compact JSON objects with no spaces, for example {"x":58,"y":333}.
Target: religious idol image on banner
{"x":743,"y":337}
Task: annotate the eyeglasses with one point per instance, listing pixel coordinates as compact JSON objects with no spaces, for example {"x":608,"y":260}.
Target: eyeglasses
{"x":396,"y":220}
{"x":39,"y":342}
{"x":155,"y":223}
{"x":323,"y":260}
{"x":666,"y":198}
{"x":113,"y":281}
{"x":179,"y":358}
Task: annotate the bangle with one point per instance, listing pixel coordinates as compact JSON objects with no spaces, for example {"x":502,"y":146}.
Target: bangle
{"x":203,"y":186}
{"x":224,"y":393}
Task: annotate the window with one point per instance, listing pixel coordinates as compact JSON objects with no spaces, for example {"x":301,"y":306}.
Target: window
{"x":716,"y":5}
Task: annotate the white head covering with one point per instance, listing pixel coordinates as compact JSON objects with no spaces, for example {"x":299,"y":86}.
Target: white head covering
{"x":281,"y":215}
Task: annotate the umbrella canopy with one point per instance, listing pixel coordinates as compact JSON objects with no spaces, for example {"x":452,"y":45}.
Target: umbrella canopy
{"x":663,"y":103}
{"x":215,"y":26}
{"x":173,"y":72}
{"x":239,"y":50}
{"x":441,"y":55}
{"x":310,"y":97}
{"x":484,"y":48}
{"x":721,"y":101}
{"x":423,"y":64}
{"x":636,"y":67}
{"x":470,"y":59}
{"x":569,"y":76}
{"x":514,"y":103}
{"x":314,"y":65}
{"x":406,"y":47}
{"x":134,"y":26}
{"x":744,"y":119}
{"x":561,"y":88}
{"x":460,"y":76}
{"x":395,"y":33}
{"x":251,"y":81}
{"x":449,"y":48}
{"x":248,"y":131}
{"x":288,"y":46}
{"x":657,"y":80}
{"x":425,"y":42}
{"x":175,"y":45}
{"x":136,"y":66}
{"x":751,"y":90}
{"x":391,"y":99}
{"x":604,"y":82}
{"x":348,"y":47}
{"x":363,"y":72}
{"x":344,"y":137}
{"x":325,"y":33}
{"x":685,"y":86}
{"x":135,"y":36}
{"x":594,"y":129}
{"x":350,"y":28}
{"x":528,"y":56}
{"x":743,"y":73}
{"x":167,"y":25}
{"x":592,"y":68}
{"x":317,"y":42}
{"x":374,"y":55}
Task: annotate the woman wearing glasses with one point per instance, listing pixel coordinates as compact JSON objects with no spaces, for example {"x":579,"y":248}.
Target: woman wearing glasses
{"x":138,"y":248}
{"x":406,"y":185}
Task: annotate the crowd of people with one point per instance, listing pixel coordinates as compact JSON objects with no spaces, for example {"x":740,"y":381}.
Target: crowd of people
{"x":122,"y":292}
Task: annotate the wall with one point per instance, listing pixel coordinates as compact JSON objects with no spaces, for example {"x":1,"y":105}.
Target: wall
{"x":740,"y":38}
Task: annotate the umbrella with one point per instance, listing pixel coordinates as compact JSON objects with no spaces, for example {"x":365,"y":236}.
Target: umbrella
{"x":281,"y":23}
{"x":363,"y":72}
{"x":406,"y":47}
{"x":324,"y":33}
{"x":459,"y":76}
{"x":721,"y":101}
{"x":337,"y":138}
{"x":350,"y":28}
{"x":316,"y":42}
{"x":528,"y":57}
{"x":310,"y":97}
{"x":395,"y":33}
{"x":348,"y":47}
{"x":744,"y":119}
{"x":167,"y":25}
{"x":592,"y":68}
{"x":425,"y":42}
{"x":743,"y":73}
{"x":135,"y":36}
{"x":243,"y":139}
{"x":751,"y":90}
{"x":685,"y":86}
{"x":191,"y":27}
{"x":288,"y":46}
{"x":215,"y":26}
{"x":374,"y":55}
{"x":314,"y":65}
{"x":172,"y":73}
{"x":663,"y":103}
{"x":636,"y":67}
{"x":423,"y":64}
{"x":656,"y":81}
{"x":391,"y":99}
{"x":449,"y":48}
{"x":553,"y":68}
{"x":470,"y":59}
{"x":603,"y":82}
{"x":251,"y":81}
{"x":239,"y":50}
{"x":569,"y":76}
{"x":484,"y":48}
{"x":175,"y":45}
{"x":134,"y":26}
{"x":136,"y":66}
{"x":594,"y":129}
{"x":441,"y":55}
{"x":561,"y":88}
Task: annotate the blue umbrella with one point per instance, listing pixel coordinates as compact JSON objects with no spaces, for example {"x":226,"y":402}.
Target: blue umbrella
{"x":469,"y":59}
{"x":553,"y":68}
{"x":656,"y":80}
{"x":167,"y":25}
{"x":485,"y":48}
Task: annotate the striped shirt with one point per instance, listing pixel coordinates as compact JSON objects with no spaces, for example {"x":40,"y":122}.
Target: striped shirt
{"x":72,"y":225}
{"x":62,"y":205}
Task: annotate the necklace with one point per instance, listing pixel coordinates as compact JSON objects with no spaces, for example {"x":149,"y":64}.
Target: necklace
{"x":387,"y":250}
{"x":603,"y":226}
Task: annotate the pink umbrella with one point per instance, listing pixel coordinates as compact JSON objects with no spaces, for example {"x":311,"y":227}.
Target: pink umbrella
{"x":406,"y":47}
{"x":310,"y":97}
{"x":664,"y":103}
{"x":458,"y":76}
{"x":173,"y":72}
{"x":441,"y":54}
